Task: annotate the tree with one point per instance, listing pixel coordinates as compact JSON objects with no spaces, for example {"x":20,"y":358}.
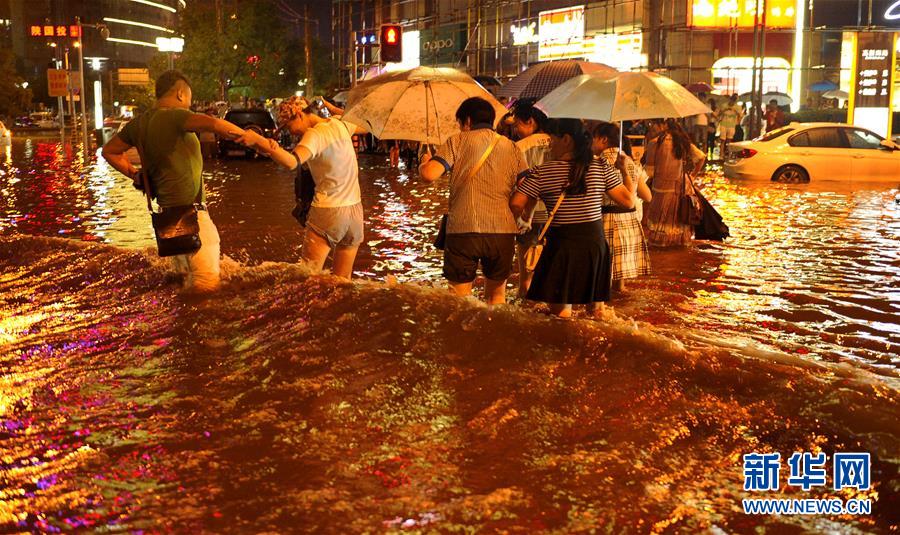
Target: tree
{"x":14,"y":98}
{"x":246,"y":44}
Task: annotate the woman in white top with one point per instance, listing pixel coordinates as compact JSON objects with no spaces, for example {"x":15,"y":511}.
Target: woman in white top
{"x":335,"y":221}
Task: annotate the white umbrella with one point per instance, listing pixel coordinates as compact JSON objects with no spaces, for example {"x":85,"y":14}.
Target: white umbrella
{"x":417,"y":105}
{"x":627,"y":96}
{"x":836,"y":94}
{"x":782,"y":99}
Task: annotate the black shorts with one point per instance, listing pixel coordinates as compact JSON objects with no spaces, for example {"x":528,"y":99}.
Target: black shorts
{"x":463,"y":252}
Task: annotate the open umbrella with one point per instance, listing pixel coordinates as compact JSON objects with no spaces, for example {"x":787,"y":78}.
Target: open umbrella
{"x":699,"y":87}
{"x":628,"y":96}
{"x":783,"y":99}
{"x":416,"y":105}
{"x":822,"y":86}
{"x":836,"y":94}
{"x":542,"y":78}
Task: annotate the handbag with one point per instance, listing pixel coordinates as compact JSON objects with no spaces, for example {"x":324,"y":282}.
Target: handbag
{"x":690,"y":211}
{"x":304,"y":192}
{"x":440,"y":241}
{"x":177,"y":228}
{"x":533,"y":253}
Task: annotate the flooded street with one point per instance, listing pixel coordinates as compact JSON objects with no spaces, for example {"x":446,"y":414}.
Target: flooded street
{"x":299,"y":403}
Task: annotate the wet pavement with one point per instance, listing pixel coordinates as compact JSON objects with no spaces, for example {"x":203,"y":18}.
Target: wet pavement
{"x":298,"y":403}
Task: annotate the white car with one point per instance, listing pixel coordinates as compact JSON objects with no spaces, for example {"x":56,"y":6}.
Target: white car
{"x":803,"y":152}
{"x":5,"y":135}
{"x":43,"y":119}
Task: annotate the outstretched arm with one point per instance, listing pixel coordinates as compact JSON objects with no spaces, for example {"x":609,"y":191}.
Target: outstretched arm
{"x":199,"y":122}
{"x":272,"y":149}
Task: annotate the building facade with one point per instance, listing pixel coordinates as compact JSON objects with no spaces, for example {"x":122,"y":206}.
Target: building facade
{"x":796,"y":42}
{"x":133,"y":26}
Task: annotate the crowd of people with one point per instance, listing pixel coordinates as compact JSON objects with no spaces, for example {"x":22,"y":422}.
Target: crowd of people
{"x":562,"y":200}
{"x":730,"y":121}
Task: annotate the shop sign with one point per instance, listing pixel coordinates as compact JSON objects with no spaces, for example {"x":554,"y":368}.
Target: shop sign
{"x":873,"y":81}
{"x":525,"y":34}
{"x":622,"y":51}
{"x":740,"y":13}
{"x":57,"y":82}
{"x":441,"y":45}
{"x":561,"y":33}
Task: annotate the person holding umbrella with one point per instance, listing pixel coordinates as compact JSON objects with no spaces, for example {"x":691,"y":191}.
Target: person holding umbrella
{"x":335,"y":221}
{"x":624,"y":234}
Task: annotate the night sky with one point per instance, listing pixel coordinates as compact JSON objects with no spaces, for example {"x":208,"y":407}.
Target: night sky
{"x":318,"y":9}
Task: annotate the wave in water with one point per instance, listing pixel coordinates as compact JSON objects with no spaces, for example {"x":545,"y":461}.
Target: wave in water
{"x":298,"y":402}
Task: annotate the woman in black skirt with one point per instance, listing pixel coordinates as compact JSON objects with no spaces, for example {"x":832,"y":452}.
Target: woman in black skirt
{"x":575,"y":265}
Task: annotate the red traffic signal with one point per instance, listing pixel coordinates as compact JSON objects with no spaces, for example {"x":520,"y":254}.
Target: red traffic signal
{"x":391,"y":43}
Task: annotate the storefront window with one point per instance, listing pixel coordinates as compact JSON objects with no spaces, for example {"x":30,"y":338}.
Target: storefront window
{"x":735,"y":75}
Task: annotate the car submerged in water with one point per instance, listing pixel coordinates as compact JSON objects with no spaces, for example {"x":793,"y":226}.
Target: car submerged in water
{"x":803,"y":152}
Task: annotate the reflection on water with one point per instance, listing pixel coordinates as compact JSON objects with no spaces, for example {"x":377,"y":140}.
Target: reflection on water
{"x":296,"y":403}
{"x":810,"y":269}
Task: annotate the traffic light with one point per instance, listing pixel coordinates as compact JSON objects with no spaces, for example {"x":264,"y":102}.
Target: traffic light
{"x":391,"y":43}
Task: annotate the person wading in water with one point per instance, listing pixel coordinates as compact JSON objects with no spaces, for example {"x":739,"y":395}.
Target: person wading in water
{"x":173,"y":164}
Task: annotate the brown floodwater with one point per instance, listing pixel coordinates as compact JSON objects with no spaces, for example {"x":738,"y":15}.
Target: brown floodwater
{"x":294,"y":402}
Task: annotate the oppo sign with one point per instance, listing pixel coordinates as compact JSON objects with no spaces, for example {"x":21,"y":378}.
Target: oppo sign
{"x":437,"y":45}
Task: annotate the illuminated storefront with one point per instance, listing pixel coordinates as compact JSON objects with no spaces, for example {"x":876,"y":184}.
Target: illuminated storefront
{"x":561,"y":34}
{"x":741,"y":14}
{"x":735,"y":75}
{"x":623,"y":51}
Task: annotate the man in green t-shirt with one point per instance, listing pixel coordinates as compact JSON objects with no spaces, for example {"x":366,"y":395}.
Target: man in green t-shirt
{"x":166,"y":137}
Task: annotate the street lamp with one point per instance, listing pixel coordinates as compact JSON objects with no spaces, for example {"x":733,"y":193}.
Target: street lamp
{"x":172,"y":45}
{"x":104,"y":33}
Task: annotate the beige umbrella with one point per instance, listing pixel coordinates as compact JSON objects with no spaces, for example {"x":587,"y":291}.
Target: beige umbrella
{"x":417,"y":105}
{"x":627,"y":96}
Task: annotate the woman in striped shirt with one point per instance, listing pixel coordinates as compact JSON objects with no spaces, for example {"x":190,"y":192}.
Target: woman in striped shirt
{"x":575,"y":265}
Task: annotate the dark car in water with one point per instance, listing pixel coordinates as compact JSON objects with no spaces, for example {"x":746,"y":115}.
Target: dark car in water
{"x":256,"y":119}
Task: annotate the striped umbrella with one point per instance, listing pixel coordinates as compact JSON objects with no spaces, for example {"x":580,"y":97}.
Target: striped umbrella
{"x":538,"y":80}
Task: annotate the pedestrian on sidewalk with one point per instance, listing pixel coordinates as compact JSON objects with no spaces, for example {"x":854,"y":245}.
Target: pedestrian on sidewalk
{"x":172,"y":163}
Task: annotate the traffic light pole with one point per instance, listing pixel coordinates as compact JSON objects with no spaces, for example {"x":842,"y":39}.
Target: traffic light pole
{"x":62,"y":114}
